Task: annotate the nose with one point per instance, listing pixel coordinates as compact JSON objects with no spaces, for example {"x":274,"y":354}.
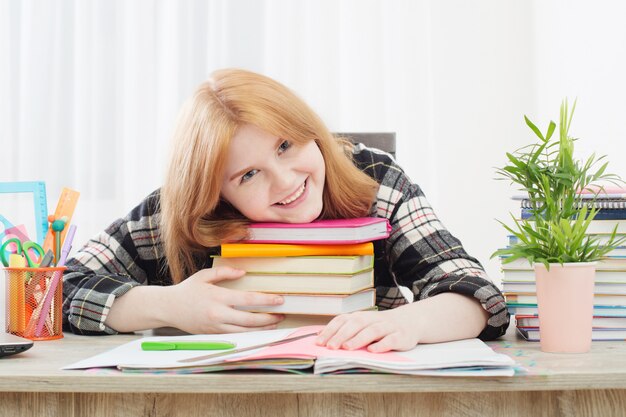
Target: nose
{"x":282,"y":179}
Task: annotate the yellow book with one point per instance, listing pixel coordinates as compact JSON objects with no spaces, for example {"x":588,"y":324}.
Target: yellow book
{"x":233,"y":250}
{"x":302,"y":283}
{"x":316,"y":265}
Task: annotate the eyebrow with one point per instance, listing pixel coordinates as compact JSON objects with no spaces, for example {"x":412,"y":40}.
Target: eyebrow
{"x":239,"y":173}
{"x":243,"y":171}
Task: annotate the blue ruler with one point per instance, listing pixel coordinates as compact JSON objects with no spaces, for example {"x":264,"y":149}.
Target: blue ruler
{"x":38,"y":190}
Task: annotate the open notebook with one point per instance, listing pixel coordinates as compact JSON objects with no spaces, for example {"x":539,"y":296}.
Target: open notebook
{"x":469,"y":357}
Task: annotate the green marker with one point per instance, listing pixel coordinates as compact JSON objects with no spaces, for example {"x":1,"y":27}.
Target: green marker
{"x":187,"y":345}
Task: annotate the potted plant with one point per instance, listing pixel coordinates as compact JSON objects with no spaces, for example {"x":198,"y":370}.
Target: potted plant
{"x":554,"y":237}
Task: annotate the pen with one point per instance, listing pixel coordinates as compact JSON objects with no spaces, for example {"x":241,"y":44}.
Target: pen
{"x":38,"y":319}
{"x":67,"y":245}
{"x":187,"y":345}
{"x":46,"y":261}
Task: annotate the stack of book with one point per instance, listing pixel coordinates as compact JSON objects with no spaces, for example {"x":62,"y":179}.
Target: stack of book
{"x":609,"y":321}
{"x":321,"y":269}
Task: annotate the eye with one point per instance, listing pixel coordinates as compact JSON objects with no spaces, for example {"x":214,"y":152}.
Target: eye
{"x":284,"y":146}
{"x":248,"y":175}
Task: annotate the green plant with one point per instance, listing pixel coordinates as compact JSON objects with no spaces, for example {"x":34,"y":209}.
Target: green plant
{"x":554,"y":179}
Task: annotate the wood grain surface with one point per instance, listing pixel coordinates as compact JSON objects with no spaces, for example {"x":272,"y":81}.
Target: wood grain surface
{"x":591,"y":384}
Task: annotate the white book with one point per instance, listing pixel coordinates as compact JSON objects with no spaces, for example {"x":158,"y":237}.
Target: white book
{"x":319,"y":304}
{"x":607,"y":192}
{"x":597,"y":322}
{"x":526,"y":275}
{"x":598,"y":300}
{"x":619,"y":252}
{"x":299,"y":320}
{"x":608,"y":264}
{"x":602,"y":239}
{"x":532,"y":335}
{"x":605,"y":227}
{"x":532,"y":310}
{"x":531,"y":287}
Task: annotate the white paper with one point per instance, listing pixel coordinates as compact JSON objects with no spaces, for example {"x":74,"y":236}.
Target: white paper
{"x":428,"y":357}
{"x":132,"y":354}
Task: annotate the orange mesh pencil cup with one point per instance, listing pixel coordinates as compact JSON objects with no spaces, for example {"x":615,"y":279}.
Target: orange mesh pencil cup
{"x":26,"y":292}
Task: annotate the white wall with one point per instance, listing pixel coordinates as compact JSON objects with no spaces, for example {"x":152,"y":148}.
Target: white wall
{"x":482,"y":85}
{"x":580,"y":52}
{"x":492,"y":63}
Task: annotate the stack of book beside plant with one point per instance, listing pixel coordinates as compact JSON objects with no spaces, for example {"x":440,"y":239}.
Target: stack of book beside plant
{"x":609,"y":321}
{"x":321,"y":269}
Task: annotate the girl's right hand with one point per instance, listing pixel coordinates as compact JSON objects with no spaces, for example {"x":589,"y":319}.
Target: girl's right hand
{"x":199,"y":306}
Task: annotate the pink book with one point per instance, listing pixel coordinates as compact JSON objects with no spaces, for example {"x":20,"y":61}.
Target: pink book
{"x":337,"y":231}
{"x":608,"y":192}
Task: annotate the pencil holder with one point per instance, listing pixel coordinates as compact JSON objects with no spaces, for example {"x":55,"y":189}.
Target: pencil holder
{"x":34,"y":298}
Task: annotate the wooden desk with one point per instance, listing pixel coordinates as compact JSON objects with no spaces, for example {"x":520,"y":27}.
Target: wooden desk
{"x":592,"y":384}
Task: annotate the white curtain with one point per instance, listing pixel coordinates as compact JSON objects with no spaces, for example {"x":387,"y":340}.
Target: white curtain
{"x":90,"y":89}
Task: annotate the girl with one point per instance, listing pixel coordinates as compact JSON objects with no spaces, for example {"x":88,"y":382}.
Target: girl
{"x":247,"y":149}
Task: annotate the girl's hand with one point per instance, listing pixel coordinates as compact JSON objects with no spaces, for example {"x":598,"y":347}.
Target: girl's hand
{"x":199,"y":306}
{"x":441,"y":318}
{"x":380,"y":331}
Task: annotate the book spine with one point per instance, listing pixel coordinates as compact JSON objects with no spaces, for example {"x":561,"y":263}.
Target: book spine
{"x":244,"y":250}
{"x":603,"y":214}
{"x":613,"y":204}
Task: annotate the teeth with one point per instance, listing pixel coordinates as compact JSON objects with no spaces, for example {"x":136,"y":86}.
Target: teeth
{"x":294,"y":196}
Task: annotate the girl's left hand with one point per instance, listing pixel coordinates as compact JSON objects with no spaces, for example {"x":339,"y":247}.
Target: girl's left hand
{"x":380,"y":331}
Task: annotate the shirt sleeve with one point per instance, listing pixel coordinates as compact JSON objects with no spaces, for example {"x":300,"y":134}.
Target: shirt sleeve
{"x":127,"y":254}
{"x":422,"y":254}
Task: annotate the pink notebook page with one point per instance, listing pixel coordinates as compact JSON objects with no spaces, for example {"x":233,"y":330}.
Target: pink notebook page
{"x":307,"y":349}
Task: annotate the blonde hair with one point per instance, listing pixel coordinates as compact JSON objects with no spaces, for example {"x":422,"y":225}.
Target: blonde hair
{"x":193,"y":216}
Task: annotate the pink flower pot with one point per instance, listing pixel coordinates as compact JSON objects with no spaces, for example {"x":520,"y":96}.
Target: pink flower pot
{"x":565,"y":302}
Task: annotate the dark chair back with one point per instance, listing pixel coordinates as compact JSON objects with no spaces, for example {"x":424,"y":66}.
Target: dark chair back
{"x":385,"y":141}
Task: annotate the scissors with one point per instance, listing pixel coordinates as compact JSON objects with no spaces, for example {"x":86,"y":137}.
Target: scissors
{"x":22,"y":249}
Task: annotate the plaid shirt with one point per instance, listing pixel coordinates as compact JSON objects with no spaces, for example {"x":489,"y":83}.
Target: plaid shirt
{"x":419,"y":254}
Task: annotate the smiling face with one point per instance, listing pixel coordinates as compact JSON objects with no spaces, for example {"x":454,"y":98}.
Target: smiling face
{"x":271,"y":179}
